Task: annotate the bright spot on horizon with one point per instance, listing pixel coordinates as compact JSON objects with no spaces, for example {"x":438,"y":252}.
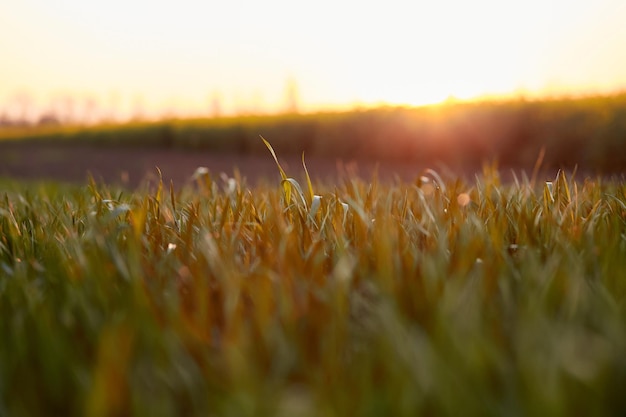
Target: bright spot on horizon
{"x":196,"y":57}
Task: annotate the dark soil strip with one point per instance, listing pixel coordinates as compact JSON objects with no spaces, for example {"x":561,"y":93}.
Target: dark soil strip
{"x":133,"y":166}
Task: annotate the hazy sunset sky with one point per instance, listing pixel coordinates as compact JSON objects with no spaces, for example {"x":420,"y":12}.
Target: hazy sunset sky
{"x":184,"y":56}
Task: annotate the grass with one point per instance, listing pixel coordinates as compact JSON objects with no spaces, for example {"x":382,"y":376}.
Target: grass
{"x":433,"y":297}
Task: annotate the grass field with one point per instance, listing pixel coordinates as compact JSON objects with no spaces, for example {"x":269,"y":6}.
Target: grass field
{"x":585,"y":132}
{"x":430,"y":297}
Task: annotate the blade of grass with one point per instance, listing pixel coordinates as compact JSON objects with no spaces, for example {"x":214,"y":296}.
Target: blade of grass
{"x":308,"y":181}
{"x":283,"y":175}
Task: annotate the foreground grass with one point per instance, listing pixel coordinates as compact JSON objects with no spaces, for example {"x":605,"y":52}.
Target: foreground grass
{"x":426,"y":298}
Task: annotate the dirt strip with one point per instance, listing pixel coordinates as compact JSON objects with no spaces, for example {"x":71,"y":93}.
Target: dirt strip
{"x":132,"y":166}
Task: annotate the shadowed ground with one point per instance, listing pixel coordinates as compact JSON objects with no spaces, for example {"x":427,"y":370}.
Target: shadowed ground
{"x":132,"y":166}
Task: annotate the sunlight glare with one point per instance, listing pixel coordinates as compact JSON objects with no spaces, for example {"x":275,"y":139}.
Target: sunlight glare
{"x":160,"y":57}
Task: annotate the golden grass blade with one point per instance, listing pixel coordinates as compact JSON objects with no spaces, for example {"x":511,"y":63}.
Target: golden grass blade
{"x":295,"y":184}
{"x":283,"y":175}
{"x":308,"y":181}
{"x":159,"y":194}
{"x":282,"y":172}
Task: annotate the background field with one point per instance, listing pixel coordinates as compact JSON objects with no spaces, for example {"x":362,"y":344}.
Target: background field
{"x":586,"y":133}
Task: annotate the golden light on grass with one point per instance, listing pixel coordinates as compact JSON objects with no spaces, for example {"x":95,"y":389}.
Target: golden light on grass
{"x":230,"y":301}
{"x":428,"y":188}
{"x":463,"y":199}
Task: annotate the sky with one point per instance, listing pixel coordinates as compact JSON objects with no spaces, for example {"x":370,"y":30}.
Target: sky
{"x":146,"y":58}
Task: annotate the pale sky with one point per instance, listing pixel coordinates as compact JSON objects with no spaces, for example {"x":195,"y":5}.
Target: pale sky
{"x":181,"y":56}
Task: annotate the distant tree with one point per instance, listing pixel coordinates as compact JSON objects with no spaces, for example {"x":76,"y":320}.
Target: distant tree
{"x":112,"y":107}
{"x":216,"y":104}
{"x":139,"y":108}
{"x":48,"y":119}
{"x":292,"y":96}
{"x":90,"y":110}
{"x":65,"y":109}
{"x":20,"y":109}
{"x":4,"y":119}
